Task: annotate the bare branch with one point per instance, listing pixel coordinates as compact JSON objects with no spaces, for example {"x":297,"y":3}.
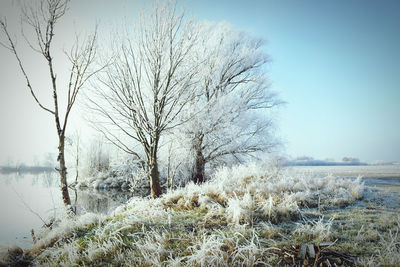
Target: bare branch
{"x":13,"y":49}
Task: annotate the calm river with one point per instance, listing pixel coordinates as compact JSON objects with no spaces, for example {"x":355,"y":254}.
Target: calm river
{"x":25,"y":196}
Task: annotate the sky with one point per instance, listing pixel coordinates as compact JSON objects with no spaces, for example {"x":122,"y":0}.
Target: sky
{"x":335,"y":63}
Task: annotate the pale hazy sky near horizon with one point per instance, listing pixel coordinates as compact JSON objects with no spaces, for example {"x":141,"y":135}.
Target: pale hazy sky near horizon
{"x":335,"y":63}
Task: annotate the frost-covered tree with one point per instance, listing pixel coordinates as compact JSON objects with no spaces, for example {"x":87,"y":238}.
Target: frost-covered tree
{"x":139,"y":96}
{"x":41,"y":17}
{"x":229,"y":118}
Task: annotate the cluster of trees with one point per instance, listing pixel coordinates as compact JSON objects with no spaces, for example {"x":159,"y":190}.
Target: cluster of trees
{"x":310,"y":161}
{"x":199,"y":87}
{"x":350,"y":159}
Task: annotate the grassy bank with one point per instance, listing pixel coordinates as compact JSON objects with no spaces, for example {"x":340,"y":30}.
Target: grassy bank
{"x":244,"y":216}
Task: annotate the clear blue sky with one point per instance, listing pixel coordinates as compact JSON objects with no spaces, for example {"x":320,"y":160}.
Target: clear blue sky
{"x":335,"y":63}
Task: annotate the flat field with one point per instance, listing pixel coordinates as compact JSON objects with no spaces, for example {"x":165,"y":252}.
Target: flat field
{"x":369,"y":171}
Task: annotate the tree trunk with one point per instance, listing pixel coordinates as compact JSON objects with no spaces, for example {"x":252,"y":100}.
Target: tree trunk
{"x":155,"y":178}
{"x":198,"y":168}
{"x":63,"y":173}
{"x":198,"y":171}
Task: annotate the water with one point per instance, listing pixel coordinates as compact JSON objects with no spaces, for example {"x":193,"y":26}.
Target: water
{"x":26,"y":199}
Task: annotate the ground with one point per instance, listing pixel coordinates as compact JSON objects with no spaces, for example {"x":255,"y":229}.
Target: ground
{"x":253,"y":215}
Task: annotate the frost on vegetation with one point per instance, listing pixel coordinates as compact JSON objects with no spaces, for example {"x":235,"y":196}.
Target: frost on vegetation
{"x":126,"y":174}
{"x":267,"y":229}
{"x":240,"y":210}
{"x":152,"y":248}
{"x":103,"y":244}
{"x":140,"y":231}
{"x":387,"y":253}
{"x":319,"y":230}
{"x":220,"y":249}
{"x":105,"y":238}
{"x":114,"y":180}
{"x":144,"y":209}
{"x":246,"y":189}
{"x":64,"y":226}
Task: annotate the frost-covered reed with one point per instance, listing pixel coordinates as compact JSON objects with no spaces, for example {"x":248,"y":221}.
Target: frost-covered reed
{"x":242,"y":190}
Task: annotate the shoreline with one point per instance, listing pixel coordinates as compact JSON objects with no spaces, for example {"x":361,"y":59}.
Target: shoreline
{"x":368,"y":171}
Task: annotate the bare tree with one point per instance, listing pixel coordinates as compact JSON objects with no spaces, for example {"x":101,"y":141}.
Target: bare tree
{"x":42,"y":19}
{"x":140,"y":95}
{"x":233,"y":97}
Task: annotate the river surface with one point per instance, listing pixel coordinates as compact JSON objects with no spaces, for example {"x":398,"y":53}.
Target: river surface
{"x":26,"y":199}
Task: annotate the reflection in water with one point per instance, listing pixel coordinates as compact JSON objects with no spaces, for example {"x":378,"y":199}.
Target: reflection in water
{"x":96,"y":201}
{"x":43,"y":179}
{"x":41,"y":193}
{"x":46,"y":179}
